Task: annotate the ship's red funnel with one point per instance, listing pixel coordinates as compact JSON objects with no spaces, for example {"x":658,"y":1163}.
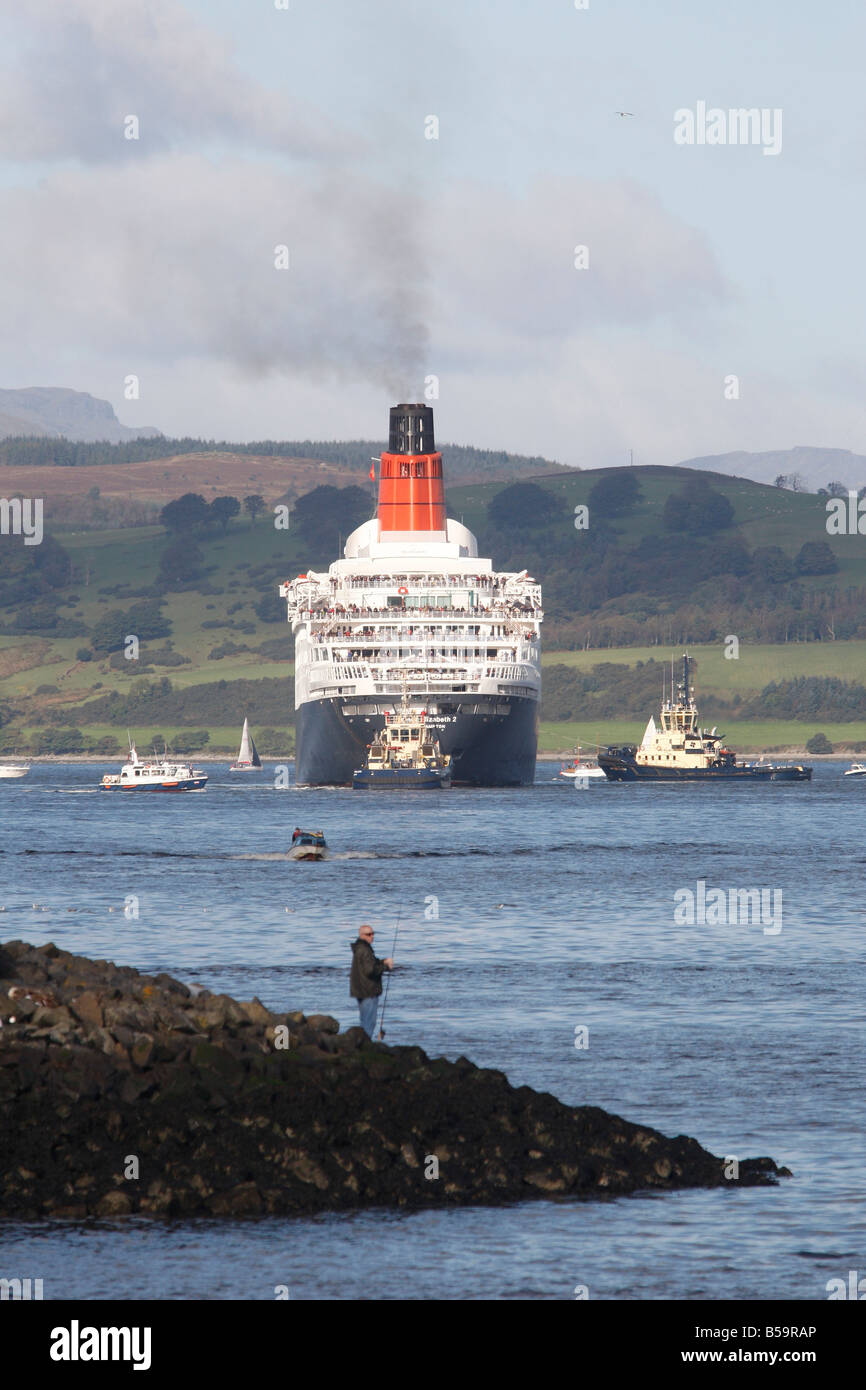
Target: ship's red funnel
{"x":411,"y":488}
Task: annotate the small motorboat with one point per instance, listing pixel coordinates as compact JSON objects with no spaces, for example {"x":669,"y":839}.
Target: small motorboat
{"x":308,"y":845}
{"x":248,"y":757}
{"x":14,"y":769}
{"x":580,"y":767}
{"x":855,"y":770}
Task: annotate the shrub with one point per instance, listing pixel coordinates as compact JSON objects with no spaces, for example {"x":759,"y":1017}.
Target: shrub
{"x":815,"y":557}
{"x":697,"y":509}
{"x":773,"y":565}
{"x":275,"y":649}
{"x":190,"y":742}
{"x":269,"y":609}
{"x":61,"y":741}
{"x":520,"y":505}
{"x":819,"y":743}
{"x":614,"y":494}
{"x":227,"y":649}
{"x":180,"y":563}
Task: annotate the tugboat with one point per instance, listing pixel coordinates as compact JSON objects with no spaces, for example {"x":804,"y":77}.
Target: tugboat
{"x":155,"y":775}
{"x":679,"y":750}
{"x":404,"y":754}
{"x":308,"y":845}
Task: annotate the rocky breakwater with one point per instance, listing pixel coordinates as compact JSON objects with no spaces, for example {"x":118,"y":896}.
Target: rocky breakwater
{"x":124,"y":1093}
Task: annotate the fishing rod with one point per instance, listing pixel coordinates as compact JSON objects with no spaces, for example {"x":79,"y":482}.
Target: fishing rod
{"x":381,"y":1034}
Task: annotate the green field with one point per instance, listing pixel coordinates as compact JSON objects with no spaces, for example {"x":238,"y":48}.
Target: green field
{"x":129,"y":558}
{"x":745,"y":737}
{"x":745,"y":675}
{"x":223,"y":740}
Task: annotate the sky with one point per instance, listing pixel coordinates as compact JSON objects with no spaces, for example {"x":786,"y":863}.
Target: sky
{"x":718,"y":305}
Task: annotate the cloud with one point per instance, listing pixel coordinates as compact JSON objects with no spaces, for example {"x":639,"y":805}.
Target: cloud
{"x":173,"y":258}
{"x":77,"y":70}
{"x":505,"y":265}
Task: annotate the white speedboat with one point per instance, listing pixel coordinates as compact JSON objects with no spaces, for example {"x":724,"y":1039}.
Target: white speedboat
{"x":855,"y":770}
{"x":157,"y":774}
{"x":580,"y":767}
{"x":248,"y":756}
{"x":14,"y":769}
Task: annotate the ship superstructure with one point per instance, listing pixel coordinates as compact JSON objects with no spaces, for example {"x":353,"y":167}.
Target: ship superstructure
{"x":412,"y":605}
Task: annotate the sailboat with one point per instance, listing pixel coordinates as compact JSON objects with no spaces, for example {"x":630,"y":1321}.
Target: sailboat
{"x":248,"y":757}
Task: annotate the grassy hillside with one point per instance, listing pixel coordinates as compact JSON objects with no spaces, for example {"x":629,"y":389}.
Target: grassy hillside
{"x":43,"y":684}
{"x":763,"y":515}
{"x":755,"y":667}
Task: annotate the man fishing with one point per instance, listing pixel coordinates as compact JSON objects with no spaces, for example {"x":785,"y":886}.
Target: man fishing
{"x":365,"y":980}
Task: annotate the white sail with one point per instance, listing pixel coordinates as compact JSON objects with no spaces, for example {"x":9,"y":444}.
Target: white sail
{"x":649,"y":733}
{"x":244,"y":754}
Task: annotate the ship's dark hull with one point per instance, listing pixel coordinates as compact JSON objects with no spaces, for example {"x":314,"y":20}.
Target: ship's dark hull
{"x":488,"y":749}
{"x":620,"y":768}
{"x":402,"y":779}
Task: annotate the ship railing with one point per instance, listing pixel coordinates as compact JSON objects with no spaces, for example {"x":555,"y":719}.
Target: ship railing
{"x":507,"y":614}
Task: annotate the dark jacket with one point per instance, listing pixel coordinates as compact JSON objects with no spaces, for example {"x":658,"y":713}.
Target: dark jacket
{"x":365,"y":981}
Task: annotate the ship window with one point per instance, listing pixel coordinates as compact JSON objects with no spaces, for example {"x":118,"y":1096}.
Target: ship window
{"x":404,"y":733}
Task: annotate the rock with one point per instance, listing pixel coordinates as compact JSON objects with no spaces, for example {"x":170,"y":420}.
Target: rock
{"x":141,"y":1050}
{"x":88,"y":1009}
{"x":322,"y":1023}
{"x":255,"y":1011}
{"x":114,"y":1204}
{"x":232,"y":1125}
{"x":126,"y":1015}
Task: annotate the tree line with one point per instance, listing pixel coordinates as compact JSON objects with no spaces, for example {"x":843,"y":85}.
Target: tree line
{"x":464,"y":461}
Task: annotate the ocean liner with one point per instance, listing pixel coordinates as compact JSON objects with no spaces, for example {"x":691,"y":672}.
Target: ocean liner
{"x":411,"y":605}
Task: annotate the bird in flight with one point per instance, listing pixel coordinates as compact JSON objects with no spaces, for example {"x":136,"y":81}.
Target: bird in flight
{"x":623,"y":113}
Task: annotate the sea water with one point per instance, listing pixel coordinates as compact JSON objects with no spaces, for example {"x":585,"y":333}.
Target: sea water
{"x":539,"y":931}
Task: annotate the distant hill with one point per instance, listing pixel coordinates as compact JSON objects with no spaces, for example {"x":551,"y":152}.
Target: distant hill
{"x":816,"y":467}
{"x":56,"y":412}
{"x":152,"y":469}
